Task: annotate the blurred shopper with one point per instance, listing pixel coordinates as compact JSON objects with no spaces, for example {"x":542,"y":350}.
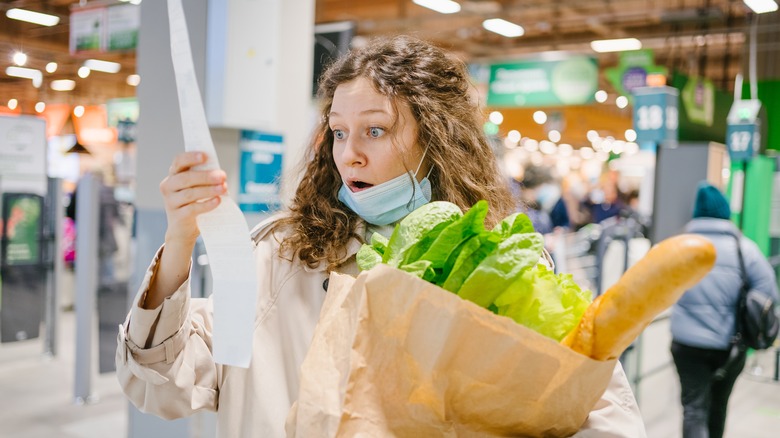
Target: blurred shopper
{"x":604,"y":201}
{"x":703,"y":320}
{"x":533,"y":195}
{"x":397,"y":130}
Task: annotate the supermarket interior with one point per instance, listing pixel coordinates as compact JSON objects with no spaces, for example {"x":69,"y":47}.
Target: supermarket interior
{"x":615,"y":126}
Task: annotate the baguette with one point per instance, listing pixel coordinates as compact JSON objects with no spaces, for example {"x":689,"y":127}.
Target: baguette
{"x":614,"y":319}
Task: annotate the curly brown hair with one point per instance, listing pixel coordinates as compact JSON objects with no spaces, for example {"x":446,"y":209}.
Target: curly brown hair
{"x":436,"y":87}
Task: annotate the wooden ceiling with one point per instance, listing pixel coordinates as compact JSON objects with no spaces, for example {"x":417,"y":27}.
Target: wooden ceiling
{"x":694,"y":36}
{"x":46,"y":44}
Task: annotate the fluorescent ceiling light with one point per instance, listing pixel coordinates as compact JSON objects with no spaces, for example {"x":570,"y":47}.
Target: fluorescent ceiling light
{"x":104,"y":66}
{"x":442,"y":6}
{"x":617,"y":45}
{"x":63,"y":85}
{"x":32,"y":17}
{"x":761,"y":6}
{"x":503,"y":27}
{"x":26,"y":73}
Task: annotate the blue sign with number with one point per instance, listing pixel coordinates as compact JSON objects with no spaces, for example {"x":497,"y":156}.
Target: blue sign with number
{"x":743,"y":132}
{"x":260,"y":171}
{"x":656,"y":114}
{"x":742,"y":141}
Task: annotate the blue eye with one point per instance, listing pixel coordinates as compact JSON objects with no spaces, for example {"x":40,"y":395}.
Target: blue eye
{"x":375,"y":132}
{"x":338,"y":134}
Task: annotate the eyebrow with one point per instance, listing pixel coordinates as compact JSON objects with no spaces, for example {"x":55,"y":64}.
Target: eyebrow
{"x":368,"y":111}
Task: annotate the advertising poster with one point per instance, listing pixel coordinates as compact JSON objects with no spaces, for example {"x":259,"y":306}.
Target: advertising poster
{"x":570,"y":81}
{"x":122,"y":28}
{"x":87,"y":30}
{"x":21,"y":269}
{"x":260,"y":171}
{"x":22,"y":154}
{"x":22,"y":226}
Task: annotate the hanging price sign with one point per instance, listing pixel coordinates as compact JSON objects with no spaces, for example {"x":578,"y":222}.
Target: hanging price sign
{"x":656,"y":114}
{"x":743,"y":133}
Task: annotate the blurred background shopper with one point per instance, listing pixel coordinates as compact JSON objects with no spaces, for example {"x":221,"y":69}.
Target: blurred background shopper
{"x":703,"y":320}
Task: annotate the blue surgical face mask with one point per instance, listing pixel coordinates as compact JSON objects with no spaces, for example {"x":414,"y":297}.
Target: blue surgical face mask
{"x":390,"y":201}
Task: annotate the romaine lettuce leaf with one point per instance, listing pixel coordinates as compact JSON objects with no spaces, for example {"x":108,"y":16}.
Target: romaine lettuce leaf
{"x":415,"y":225}
{"x":501,"y":267}
{"x":551,"y":304}
{"x":368,"y":257}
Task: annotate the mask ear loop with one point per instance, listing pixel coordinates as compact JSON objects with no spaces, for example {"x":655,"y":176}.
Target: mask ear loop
{"x":414,"y":187}
{"x":421,"y":161}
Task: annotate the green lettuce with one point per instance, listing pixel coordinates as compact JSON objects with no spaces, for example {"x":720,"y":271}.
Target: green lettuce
{"x":550,"y":304}
{"x":497,"y":269}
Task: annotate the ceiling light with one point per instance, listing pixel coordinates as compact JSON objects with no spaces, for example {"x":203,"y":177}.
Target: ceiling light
{"x":586,"y":153}
{"x":12,"y":104}
{"x":761,"y":6}
{"x":617,"y":45}
{"x":496,"y":117}
{"x":104,"y":66}
{"x":540,"y":117}
{"x":51,"y":67}
{"x":20,"y":58}
{"x":39,"y":107}
{"x":554,"y":136}
{"x":601,"y":96}
{"x":514,"y":135}
{"x":32,"y":17}
{"x":133,"y":80}
{"x":63,"y":85}
{"x":503,"y":27}
{"x":547,"y":147}
{"x":83,"y":72}
{"x":442,"y":6}
{"x":78,"y":111}
{"x":621,"y":102}
{"x":27,"y":73}
{"x":630,"y":135}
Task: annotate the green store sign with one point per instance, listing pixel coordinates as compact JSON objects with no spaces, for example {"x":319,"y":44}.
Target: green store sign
{"x":572,"y":81}
{"x":633,"y":68}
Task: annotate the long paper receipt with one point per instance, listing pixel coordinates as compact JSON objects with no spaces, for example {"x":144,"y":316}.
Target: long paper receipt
{"x":224,"y":230}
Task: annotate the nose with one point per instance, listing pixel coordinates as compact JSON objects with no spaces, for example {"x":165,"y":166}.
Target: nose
{"x":352,"y":155}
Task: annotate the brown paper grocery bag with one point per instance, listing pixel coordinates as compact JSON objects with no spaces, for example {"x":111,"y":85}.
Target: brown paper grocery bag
{"x":394,"y":355}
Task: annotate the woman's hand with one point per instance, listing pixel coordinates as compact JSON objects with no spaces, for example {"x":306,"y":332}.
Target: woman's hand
{"x":188,"y":193}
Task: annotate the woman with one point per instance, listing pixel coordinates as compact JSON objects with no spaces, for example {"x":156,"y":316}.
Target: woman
{"x":397,"y":130}
{"x":703,"y":319}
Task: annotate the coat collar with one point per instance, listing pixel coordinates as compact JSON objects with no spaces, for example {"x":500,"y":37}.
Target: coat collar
{"x":711,"y":225}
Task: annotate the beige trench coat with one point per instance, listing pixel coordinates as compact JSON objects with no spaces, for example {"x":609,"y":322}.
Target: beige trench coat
{"x":165,"y":366}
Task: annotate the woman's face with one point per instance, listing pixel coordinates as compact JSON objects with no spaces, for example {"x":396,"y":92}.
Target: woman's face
{"x":364,"y":149}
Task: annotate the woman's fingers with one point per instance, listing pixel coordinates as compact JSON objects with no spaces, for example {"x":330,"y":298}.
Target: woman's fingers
{"x":185,"y":161}
{"x":191,"y":178}
{"x":196,"y":208}
{"x":189,"y":195}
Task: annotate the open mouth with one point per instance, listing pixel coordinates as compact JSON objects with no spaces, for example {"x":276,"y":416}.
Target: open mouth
{"x":357,"y":186}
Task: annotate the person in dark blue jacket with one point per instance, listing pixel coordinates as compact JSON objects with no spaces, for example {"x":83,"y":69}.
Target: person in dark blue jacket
{"x":703,"y":320}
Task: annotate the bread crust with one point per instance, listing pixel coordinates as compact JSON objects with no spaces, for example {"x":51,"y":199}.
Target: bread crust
{"x":614,"y":319}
